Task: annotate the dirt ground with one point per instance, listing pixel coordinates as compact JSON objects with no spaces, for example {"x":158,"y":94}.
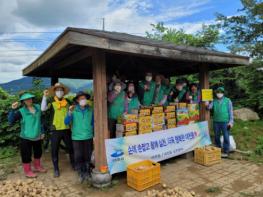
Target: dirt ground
{"x":230,"y":178}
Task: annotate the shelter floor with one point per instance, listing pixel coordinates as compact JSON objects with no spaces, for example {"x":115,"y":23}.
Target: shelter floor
{"x":230,"y":178}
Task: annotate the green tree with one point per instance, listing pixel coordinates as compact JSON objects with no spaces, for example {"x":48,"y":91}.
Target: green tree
{"x":243,"y":34}
{"x":207,"y":37}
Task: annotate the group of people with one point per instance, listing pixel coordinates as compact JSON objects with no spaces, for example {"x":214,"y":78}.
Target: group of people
{"x":127,"y":98}
{"x":70,"y":122}
{"x":74,"y":122}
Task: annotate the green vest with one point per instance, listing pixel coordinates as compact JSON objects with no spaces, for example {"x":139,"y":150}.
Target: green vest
{"x":160,"y":95}
{"x":30,"y":123}
{"x":59,"y":117}
{"x":133,"y":104}
{"x":116,"y":108}
{"x":220,"y":110}
{"x":148,"y":95}
{"x":81,"y":124}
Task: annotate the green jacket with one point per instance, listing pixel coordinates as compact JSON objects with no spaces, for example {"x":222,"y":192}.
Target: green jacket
{"x":82,"y":123}
{"x":221,"y":110}
{"x":147,"y":97}
{"x":116,"y":107}
{"x":133,"y":103}
{"x":160,"y":95}
{"x":30,"y":123}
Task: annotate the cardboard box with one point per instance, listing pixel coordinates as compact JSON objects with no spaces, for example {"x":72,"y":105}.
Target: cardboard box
{"x":145,"y":112}
{"x":131,"y":127}
{"x":181,"y":105}
{"x":158,"y":127}
{"x":193,"y":111}
{"x":128,"y":118}
{"x":120,"y":127}
{"x":170,"y":108}
{"x":130,"y":133}
{"x":170,"y":126}
{"x":145,"y":120}
{"x":119,"y":134}
{"x":171,"y":121}
{"x":182,"y":116}
{"x":158,"y":118}
{"x":146,"y":128}
{"x":157,"y":109}
{"x":170,"y":115}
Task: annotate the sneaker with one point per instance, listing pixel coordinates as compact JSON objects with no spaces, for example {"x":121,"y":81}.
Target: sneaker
{"x":56,"y":173}
{"x":224,"y":155}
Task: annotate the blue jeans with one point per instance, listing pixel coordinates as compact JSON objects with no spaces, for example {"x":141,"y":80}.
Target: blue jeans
{"x":221,"y":127}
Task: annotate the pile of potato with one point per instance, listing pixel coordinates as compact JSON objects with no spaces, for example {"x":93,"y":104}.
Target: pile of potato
{"x":27,"y":188}
{"x":169,"y":192}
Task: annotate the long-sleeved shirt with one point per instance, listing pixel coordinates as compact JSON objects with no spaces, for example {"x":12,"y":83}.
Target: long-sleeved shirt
{"x":230,"y":110}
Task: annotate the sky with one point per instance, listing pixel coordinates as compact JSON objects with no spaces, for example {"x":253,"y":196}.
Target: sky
{"x":27,"y":27}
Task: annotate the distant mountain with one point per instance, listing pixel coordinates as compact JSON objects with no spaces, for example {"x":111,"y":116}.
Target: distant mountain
{"x":25,"y":83}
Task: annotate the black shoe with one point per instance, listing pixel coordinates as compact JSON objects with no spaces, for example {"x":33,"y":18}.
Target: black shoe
{"x":56,"y":173}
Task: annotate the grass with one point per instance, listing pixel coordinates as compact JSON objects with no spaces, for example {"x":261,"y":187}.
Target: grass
{"x":8,"y":160}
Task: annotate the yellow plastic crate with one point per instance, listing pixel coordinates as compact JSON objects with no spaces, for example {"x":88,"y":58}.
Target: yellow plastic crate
{"x":143,"y":175}
{"x":208,"y":155}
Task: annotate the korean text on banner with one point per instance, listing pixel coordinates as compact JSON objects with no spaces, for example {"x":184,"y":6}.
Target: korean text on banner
{"x":207,"y":94}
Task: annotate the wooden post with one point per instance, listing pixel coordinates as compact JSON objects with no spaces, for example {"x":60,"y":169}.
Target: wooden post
{"x":204,"y":84}
{"x":54,"y":80}
{"x":100,"y":107}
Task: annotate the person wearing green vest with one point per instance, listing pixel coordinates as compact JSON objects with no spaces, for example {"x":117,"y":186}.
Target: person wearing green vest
{"x":116,"y":102}
{"x":223,"y":120}
{"x":178,"y":93}
{"x":58,"y":106}
{"x":81,"y":119}
{"x":31,"y":135}
{"x":132,"y":102}
{"x":160,"y":94}
{"x":193,"y":95}
{"x":146,"y":90}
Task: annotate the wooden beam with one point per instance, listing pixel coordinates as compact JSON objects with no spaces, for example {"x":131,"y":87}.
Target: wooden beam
{"x":54,"y":80}
{"x":78,"y":56}
{"x":193,"y":55}
{"x":100,"y":107}
{"x":204,"y":84}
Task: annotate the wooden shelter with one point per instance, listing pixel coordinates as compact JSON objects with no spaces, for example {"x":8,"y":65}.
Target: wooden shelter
{"x":93,"y":54}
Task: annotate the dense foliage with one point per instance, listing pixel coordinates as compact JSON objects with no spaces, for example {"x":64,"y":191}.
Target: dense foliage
{"x":242,"y":34}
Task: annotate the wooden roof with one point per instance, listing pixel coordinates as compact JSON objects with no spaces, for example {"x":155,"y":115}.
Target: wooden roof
{"x":70,"y":55}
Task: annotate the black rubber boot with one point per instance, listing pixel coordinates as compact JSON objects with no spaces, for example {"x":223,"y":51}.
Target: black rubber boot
{"x":56,"y":169}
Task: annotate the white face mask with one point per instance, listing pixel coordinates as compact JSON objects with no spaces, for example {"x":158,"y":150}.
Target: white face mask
{"x":131,"y":88}
{"x":219,"y":95}
{"x":117,"y":88}
{"x":83,"y":102}
{"x":59,"y":93}
{"x":179,"y":88}
{"x":148,"y":78}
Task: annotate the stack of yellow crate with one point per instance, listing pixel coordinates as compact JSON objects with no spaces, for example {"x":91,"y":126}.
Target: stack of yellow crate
{"x":170,"y":116}
{"x":130,"y":124}
{"x":145,"y":124}
{"x":127,"y":126}
{"x":144,"y":120}
{"x":157,"y":118}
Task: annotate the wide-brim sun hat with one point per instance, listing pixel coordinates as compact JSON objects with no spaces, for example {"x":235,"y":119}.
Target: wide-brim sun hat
{"x":81,"y":93}
{"x":26,"y":96}
{"x":58,"y":85}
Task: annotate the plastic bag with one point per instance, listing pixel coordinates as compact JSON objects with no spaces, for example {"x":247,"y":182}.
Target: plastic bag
{"x":233,"y":145}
